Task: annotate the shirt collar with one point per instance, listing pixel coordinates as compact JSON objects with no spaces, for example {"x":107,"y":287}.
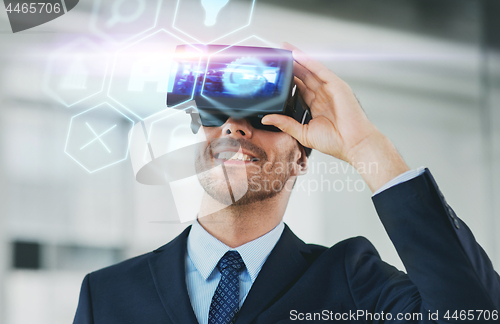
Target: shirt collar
{"x":205,"y":251}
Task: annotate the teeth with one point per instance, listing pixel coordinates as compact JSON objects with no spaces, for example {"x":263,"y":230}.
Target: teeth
{"x":235,"y":156}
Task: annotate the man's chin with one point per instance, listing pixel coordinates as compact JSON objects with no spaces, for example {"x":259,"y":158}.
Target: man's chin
{"x":225,"y":190}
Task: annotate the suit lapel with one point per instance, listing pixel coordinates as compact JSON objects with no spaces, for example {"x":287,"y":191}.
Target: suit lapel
{"x":282,"y":268}
{"x":167,"y":268}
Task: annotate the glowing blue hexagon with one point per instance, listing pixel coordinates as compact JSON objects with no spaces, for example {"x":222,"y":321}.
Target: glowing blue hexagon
{"x":208,"y":21}
{"x":75,"y":72}
{"x":123,"y":20}
{"x":97,"y":138}
{"x":141,"y":71}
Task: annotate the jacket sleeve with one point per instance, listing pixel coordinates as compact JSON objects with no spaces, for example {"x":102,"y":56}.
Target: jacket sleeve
{"x":84,"y":310}
{"x":445,"y":263}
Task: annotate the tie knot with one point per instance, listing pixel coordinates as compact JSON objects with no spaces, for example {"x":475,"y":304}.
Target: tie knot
{"x":231,"y":259}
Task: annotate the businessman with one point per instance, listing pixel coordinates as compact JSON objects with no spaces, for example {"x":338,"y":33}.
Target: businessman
{"x":242,"y":264}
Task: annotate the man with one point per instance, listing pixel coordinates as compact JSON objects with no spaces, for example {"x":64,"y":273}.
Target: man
{"x":242,"y":264}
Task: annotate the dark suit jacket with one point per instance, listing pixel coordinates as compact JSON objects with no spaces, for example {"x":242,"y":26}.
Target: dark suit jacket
{"x":447,"y":270}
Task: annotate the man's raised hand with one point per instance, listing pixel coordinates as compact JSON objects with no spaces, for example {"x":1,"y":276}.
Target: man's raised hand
{"x":339,"y":126}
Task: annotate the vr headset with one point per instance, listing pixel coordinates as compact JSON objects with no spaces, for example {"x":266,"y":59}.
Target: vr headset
{"x":212,"y":83}
{"x":235,"y":81}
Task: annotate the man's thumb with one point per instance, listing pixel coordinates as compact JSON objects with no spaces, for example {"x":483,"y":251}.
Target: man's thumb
{"x":286,"y":124}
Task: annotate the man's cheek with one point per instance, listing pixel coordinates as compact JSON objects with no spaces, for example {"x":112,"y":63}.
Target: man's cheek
{"x":254,"y":169}
{"x":279,"y":167}
{"x":255,"y":184}
{"x":267,"y":167}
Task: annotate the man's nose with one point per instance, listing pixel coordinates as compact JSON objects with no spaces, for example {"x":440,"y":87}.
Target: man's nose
{"x":237,"y":128}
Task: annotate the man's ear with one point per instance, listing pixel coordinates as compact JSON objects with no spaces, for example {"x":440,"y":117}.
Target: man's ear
{"x":300,"y":161}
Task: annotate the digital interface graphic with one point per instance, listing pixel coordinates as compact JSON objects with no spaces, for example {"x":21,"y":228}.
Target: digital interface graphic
{"x":210,"y":21}
{"x":132,"y":66}
{"x":95,"y":137}
{"x":124,"y":20}
{"x":76,"y":72}
{"x":237,"y":78}
{"x":243,"y":77}
{"x":140,"y":73}
{"x":248,"y":76}
{"x":212,"y":9}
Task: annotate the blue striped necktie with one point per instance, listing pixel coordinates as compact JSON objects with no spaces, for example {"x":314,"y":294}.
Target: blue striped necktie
{"x":225,"y":302}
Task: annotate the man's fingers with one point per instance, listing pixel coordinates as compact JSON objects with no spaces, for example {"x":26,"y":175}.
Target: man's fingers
{"x":286,"y":124}
{"x":305,"y":92}
{"x":288,"y":46}
{"x":317,"y":68}
{"x":307,"y":77}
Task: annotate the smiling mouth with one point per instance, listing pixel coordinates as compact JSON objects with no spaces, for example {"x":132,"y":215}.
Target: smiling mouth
{"x":235,"y":156}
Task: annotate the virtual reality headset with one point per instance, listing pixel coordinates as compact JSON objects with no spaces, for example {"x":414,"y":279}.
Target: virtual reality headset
{"x":234,"y":81}
{"x":212,"y":83}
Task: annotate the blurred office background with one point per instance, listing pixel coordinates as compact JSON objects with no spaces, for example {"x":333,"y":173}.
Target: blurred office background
{"x":426,"y":71}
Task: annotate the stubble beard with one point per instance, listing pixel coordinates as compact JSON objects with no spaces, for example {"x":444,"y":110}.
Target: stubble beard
{"x":264,"y":179}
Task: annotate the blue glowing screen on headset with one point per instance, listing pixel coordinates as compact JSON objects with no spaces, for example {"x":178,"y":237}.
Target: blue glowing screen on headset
{"x":251,"y":73}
